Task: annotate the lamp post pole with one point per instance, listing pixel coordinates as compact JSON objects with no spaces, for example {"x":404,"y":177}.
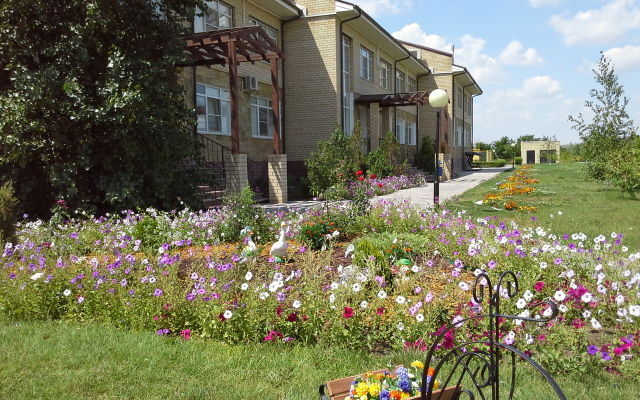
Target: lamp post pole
{"x":513,"y":154}
{"x":438,"y":98}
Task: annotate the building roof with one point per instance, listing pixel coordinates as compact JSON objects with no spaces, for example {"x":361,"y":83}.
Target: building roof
{"x":284,"y":9}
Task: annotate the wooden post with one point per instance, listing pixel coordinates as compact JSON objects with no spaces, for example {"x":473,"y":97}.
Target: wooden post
{"x":275,"y":106}
{"x":233,"y":94}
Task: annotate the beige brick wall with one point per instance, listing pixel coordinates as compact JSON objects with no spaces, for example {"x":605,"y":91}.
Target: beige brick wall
{"x":318,"y":6}
{"x":312,"y":86}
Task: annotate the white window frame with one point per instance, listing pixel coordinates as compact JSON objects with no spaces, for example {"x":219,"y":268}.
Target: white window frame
{"x":261,"y":118}
{"x":366,"y":64}
{"x":400,"y":80}
{"x":411,"y":133}
{"x":347,"y":94}
{"x":400,"y":130}
{"x":221,"y":17}
{"x":385,"y":74}
{"x":208,"y":116}
{"x":271,"y":31}
{"x":411,"y":85}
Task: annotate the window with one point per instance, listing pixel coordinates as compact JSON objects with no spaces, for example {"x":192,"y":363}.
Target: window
{"x":366,"y":70}
{"x":214,"y":112}
{"x":271,"y":32}
{"x":400,"y":131}
{"x":411,"y":133}
{"x":347,"y":95}
{"x":399,"y":81}
{"x":467,"y":103}
{"x":411,"y":85}
{"x":459,"y":97}
{"x":385,"y":74}
{"x":261,"y":117}
{"x":220,"y":17}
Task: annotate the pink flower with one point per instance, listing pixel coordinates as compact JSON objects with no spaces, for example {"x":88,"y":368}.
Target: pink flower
{"x":380,"y":311}
{"x":348,"y":312}
{"x":539,"y":286}
{"x":186,"y":334}
{"x":273,"y":335}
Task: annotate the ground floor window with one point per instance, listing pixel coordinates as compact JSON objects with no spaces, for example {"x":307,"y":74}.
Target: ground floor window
{"x":400,"y":131}
{"x":411,"y":133}
{"x":213,"y":109}
{"x":261,"y":117}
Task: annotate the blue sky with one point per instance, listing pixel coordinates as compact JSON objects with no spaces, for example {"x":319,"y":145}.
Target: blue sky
{"x":533,"y":59}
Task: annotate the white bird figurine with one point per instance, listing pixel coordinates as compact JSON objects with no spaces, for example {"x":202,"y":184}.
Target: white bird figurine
{"x":279,"y":248}
{"x":250,"y":248}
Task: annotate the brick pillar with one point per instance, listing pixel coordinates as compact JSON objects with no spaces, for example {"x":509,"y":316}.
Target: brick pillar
{"x":278,"y":192}
{"x":237,"y":176}
{"x":374,"y":126}
{"x":385,"y":122}
{"x":446,"y":166}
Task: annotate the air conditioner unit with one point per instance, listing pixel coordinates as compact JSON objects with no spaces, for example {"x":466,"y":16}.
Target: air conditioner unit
{"x":250,"y":83}
{"x":417,"y":53}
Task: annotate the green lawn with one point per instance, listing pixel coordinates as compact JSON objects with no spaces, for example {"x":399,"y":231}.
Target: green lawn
{"x":590,"y":207}
{"x":48,"y":360}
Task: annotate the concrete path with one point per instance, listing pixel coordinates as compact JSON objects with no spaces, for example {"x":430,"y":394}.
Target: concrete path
{"x":420,"y":196}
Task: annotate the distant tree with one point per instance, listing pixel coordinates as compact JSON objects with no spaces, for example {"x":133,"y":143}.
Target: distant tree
{"x":611,"y":129}
{"x":483,"y":146}
{"x":502,"y":148}
{"x":91,"y":110}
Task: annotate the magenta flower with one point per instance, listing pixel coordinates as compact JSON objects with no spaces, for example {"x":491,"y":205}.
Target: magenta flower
{"x":348,"y":312}
{"x":186,"y":334}
{"x":539,"y":286}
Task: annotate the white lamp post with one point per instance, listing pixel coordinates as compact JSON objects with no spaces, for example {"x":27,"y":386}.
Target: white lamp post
{"x":513,"y":154}
{"x":437,"y":99}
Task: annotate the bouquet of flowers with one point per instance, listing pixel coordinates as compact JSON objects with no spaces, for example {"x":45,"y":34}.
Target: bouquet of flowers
{"x":384,"y":385}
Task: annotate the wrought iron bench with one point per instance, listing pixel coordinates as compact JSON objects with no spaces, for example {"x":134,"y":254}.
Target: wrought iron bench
{"x":474,"y":367}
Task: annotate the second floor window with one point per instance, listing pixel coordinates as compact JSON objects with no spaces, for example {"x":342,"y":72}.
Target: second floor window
{"x":385,"y":74}
{"x":366,"y":70}
{"x":400,"y":77}
{"x":272,"y":33}
{"x":220,"y":17}
{"x":411,"y":85}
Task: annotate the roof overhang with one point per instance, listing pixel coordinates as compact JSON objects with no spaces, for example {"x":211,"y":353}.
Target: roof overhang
{"x":395,"y":100}
{"x":212,"y":48}
{"x":284,"y":9}
{"x":377,"y":34}
{"x":464,"y":78}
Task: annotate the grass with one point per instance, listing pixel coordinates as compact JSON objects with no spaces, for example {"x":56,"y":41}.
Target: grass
{"x":590,"y":207}
{"x":51,"y":360}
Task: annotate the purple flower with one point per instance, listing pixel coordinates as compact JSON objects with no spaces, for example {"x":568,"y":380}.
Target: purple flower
{"x":157,"y":292}
{"x":12,"y":276}
{"x":592,"y":350}
{"x":605,"y":356}
{"x":191,"y":296}
{"x":557,"y":261}
{"x":492,"y":264}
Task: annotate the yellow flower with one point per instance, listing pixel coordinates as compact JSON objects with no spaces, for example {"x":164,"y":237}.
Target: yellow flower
{"x":374,"y":389}
{"x":436,"y":384}
{"x":362,"y":389}
{"x":418,"y":364}
{"x":404,"y":396}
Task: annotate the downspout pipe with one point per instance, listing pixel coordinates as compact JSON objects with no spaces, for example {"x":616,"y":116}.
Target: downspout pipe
{"x":464,"y":137}
{"x":340,"y":30}
{"x":283,"y":110}
{"x":395,"y":91}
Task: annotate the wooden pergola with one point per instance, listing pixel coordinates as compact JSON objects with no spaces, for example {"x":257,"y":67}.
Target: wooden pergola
{"x":395,"y":100}
{"x":230,"y":47}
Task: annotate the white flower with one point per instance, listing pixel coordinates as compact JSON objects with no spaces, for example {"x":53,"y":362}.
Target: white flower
{"x":356,"y":287}
{"x":563,"y":308}
{"x":547,"y":313}
{"x":400,"y":299}
{"x":297,"y":304}
{"x":528,"y":295}
{"x":543,"y":265}
{"x":419,"y":317}
{"x":273,"y":286}
{"x":634,"y":310}
{"x":382,"y":294}
{"x":415,"y":269}
{"x":400,"y":326}
{"x":66,"y":292}
{"x":614,"y":235}
{"x":595,"y":324}
{"x":36,"y":276}
{"x":559,"y":212}
{"x":622,"y":312}
{"x":263,"y":295}
{"x":479,"y":202}
{"x":586,"y":314}
{"x":244,"y":286}
{"x":586,"y":298}
{"x":620,"y":299}
{"x":521,"y":303}
{"x":332,"y":298}
{"x":334,"y":285}
{"x":248,"y":275}
{"x":464,"y":286}
{"x":228,"y":314}
{"x":559,"y":295}
{"x":364,"y":304}
{"x":528,"y":338}
{"x":570,"y":274}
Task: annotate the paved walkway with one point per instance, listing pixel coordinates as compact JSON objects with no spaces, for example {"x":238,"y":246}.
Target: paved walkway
{"x":420,"y":196}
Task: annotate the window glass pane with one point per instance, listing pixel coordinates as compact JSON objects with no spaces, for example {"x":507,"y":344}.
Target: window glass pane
{"x":226,"y":117}
{"x":212,"y":21}
{"x":225,"y":22}
{"x":200,"y":89}
{"x":201,"y":110}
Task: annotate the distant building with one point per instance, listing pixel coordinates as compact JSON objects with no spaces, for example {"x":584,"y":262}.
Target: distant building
{"x":537,"y":152}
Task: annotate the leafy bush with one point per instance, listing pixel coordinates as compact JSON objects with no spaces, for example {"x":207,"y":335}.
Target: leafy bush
{"x":8,"y":217}
{"x":518,"y":160}
{"x":385,"y":160}
{"x":495,"y":163}
{"x":245,"y":212}
{"x":425,"y":158}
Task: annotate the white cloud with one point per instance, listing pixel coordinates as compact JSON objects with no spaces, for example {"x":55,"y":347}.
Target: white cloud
{"x":375,"y":8}
{"x":485,"y":69}
{"x":624,"y":59}
{"x":540,"y":3}
{"x":413,"y":33}
{"x":514,"y":54}
{"x":598,"y":26}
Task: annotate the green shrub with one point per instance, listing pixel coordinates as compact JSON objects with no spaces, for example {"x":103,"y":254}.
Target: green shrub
{"x":518,"y":160}
{"x":385,"y":160}
{"x":495,"y":163}
{"x":245,"y":213}
{"x":425,"y":158}
{"x":8,"y":216}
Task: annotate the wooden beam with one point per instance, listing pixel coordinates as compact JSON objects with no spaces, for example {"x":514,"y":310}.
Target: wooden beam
{"x":275,"y":106}
{"x":233,"y":94}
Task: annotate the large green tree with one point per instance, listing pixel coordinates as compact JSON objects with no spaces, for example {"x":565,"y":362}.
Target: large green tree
{"x":611,"y":130}
{"x":91,"y":110}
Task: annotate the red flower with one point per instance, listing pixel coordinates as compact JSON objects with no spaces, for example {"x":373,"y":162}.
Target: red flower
{"x":348,"y":312}
{"x":361,"y":178}
{"x":379,"y":185}
{"x":380,"y":310}
{"x":221,"y":317}
{"x":372,"y":176}
{"x":359,"y":173}
{"x":279,"y":311}
{"x":292,"y":317}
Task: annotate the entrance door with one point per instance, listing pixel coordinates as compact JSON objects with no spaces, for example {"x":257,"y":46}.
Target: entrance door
{"x":531,"y":156}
